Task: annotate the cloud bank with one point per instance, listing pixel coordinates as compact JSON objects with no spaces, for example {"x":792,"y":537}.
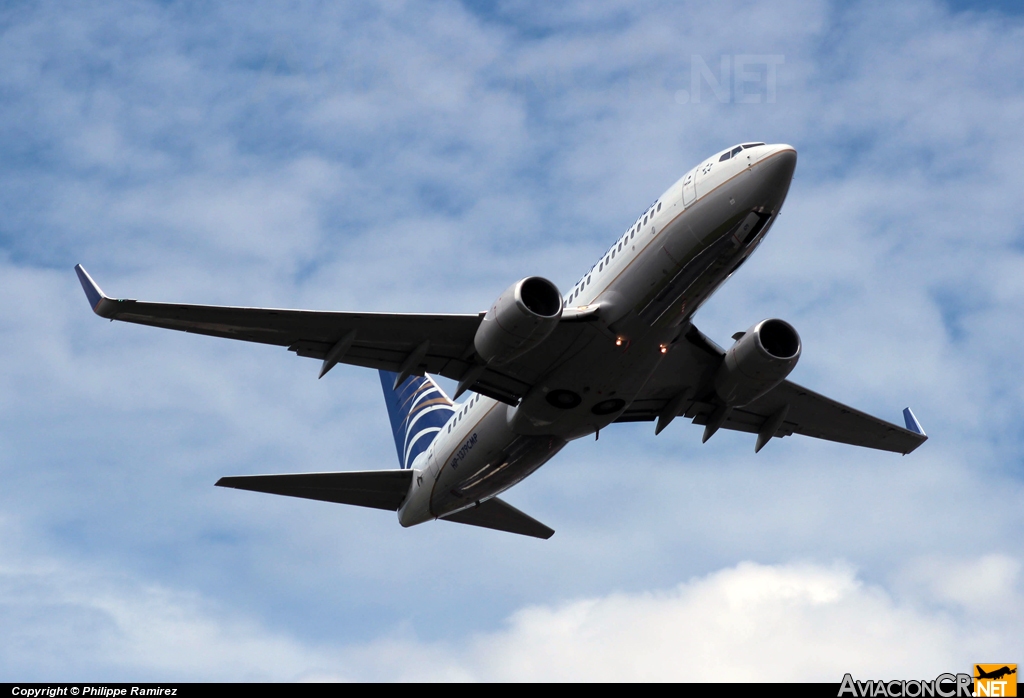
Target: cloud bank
{"x":748,"y":622}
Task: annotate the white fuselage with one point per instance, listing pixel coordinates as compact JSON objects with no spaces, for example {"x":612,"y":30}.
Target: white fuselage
{"x":646,"y":288}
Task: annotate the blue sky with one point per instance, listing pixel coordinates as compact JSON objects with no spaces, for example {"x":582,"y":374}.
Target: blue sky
{"x":421,"y":157}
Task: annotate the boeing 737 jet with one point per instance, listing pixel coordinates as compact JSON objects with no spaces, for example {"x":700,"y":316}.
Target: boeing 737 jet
{"x":543,"y":369}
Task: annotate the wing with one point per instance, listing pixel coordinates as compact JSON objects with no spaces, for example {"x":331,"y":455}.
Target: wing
{"x":682,"y":386}
{"x":405,"y":343}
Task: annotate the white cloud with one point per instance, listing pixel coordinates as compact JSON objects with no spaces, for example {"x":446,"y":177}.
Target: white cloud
{"x":749,"y":622}
{"x":798,"y":622}
{"x":987,"y":586}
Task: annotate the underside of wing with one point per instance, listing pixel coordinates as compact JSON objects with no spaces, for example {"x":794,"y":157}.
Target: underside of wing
{"x":378,"y":489}
{"x":811,"y":414}
{"x":404,"y":343}
{"x":501,"y":516}
{"x":683,"y":386}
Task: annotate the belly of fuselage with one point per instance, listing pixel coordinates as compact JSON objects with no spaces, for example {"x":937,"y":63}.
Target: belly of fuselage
{"x":480,"y":457}
{"x":482,"y":477}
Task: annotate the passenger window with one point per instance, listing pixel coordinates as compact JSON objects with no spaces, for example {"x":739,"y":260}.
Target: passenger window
{"x":645,"y":220}
{"x":600,"y":266}
{"x":659,"y":205}
{"x":725,"y":157}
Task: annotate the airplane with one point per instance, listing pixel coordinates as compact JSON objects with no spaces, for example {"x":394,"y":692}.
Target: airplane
{"x":995,"y":674}
{"x":544,"y":369}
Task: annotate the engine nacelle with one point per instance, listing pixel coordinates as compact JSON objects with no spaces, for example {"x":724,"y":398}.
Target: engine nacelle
{"x":522,"y":317}
{"x":757,"y":362}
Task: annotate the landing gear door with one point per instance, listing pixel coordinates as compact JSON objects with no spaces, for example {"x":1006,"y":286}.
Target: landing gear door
{"x":689,"y":187}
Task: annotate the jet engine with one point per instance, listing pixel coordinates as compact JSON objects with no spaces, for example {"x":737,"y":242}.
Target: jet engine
{"x":522,"y":317}
{"x":759,"y":360}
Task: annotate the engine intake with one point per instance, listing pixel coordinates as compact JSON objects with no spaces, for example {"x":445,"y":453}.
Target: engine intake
{"x":522,"y":317}
{"x":757,"y":362}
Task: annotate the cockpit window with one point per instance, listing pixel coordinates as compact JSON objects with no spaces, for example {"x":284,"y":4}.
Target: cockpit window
{"x":752,"y":145}
{"x":725,"y":157}
{"x":737,"y":149}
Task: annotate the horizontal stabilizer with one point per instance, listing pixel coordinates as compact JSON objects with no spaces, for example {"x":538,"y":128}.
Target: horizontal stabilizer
{"x":500,"y":516}
{"x":379,"y":489}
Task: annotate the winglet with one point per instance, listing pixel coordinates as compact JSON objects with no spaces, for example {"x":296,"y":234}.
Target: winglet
{"x":100,"y":303}
{"x":912,"y":423}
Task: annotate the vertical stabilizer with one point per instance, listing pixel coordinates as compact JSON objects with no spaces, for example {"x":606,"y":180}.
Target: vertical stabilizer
{"x":418,"y":409}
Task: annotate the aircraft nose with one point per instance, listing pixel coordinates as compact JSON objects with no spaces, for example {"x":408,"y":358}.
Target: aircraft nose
{"x":774,"y":173}
{"x":780,"y":161}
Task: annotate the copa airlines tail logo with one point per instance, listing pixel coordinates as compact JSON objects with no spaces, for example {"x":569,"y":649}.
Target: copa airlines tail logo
{"x":418,"y":410}
{"x":985,"y":680}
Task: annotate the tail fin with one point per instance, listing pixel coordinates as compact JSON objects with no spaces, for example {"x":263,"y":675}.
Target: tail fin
{"x":418,"y":409}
